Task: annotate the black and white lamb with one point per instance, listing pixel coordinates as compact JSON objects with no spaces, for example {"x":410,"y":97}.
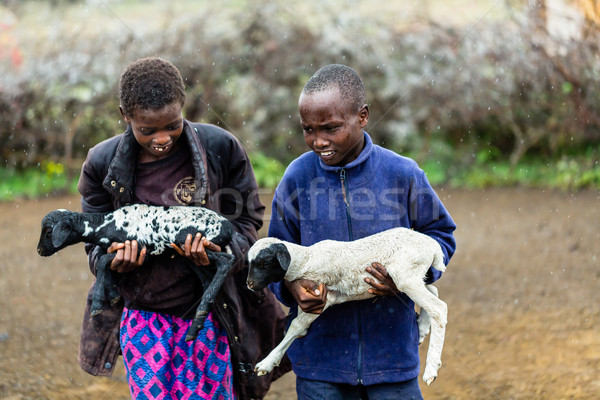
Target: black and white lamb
{"x":341,"y":266}
{"x":153,"y":227}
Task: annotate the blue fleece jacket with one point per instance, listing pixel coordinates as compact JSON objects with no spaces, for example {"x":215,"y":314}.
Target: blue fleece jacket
{"x":361,"y":342}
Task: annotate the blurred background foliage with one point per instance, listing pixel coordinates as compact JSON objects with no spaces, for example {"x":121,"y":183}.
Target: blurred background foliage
{"x":480,"y":93}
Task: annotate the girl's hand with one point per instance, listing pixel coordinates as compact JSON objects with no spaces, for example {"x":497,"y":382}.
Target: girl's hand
{"x":383,"y":285}
{"x":127,"y":258}
{"x":311,"y":298}
{"x":195,"y":249}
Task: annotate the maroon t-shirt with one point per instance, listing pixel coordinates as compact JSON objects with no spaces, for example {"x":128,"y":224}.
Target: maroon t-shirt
{"x":162,"y":284}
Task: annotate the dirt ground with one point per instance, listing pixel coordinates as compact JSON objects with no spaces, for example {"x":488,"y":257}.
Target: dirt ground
{"x":523,"y":293}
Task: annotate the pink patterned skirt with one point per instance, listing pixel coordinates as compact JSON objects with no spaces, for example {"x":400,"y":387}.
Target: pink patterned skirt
{"x":160,"y":364}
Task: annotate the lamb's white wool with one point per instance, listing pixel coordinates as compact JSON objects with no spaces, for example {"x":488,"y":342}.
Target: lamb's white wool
{"x":341,"y":266}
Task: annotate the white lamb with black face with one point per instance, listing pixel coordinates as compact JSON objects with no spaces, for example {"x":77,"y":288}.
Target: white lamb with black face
{"x":153,"y":227}
{"x":341,"y":266}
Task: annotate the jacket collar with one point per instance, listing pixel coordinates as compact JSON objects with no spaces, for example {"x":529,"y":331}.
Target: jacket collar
{"x":364,"y":155}
{"x":120,"y":177}
{"x":192,"y":134}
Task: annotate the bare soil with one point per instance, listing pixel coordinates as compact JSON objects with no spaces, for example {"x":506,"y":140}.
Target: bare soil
{"x":523,"y":294}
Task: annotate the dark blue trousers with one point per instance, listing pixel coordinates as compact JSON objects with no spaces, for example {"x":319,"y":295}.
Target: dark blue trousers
{"x":316,"y":390}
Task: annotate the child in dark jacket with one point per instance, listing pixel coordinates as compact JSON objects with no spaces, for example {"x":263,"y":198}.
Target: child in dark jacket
{"x":347,"y":188}
{"x":163,"y":159}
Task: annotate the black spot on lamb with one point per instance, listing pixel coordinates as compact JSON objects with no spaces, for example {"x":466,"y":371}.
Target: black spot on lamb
{"x":341,"y":266}
{"x":153,"y":227}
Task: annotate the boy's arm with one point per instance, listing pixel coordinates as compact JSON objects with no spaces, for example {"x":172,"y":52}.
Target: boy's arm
{"x":284,"y":226}
{"x":308,"y":295}
{"x":429,"y":216}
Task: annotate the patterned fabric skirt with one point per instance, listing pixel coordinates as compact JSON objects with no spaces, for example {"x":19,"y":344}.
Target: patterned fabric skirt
{"x":160,"y":364}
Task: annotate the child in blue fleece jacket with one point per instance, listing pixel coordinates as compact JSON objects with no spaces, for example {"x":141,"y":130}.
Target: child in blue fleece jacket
{"x":347,"y":188}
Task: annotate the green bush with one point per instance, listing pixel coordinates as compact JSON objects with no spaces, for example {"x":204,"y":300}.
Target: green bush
{"x":470,"y":104}
{"x":50,"y":178}
{"x":268,"y":171}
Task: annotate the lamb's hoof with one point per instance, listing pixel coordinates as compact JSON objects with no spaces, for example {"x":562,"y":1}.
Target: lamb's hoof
{"x":264,"y":367}
{"x":93,"y":313}
{"x":429,"y":377}
{"x":193,"y":331}
{"x":115,"y":300}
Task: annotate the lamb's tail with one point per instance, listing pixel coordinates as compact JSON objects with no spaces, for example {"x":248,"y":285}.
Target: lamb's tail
{"x":438,"y":260}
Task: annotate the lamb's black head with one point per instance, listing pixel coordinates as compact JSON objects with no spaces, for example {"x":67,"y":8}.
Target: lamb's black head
{"x":57,"y":232}
{"x":269,"y":260}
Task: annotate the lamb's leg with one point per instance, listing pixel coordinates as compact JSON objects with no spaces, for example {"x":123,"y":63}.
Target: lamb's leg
{"x":424,"y":320}
{"x":223,"y":263}
{"x":438,"y":311}
{"x":298,"y":328}
{"x":104,"y":282}
{"x":111,"y":287}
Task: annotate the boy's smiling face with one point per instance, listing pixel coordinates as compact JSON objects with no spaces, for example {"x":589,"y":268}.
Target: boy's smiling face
{"x":332,"y":129}
{"x":157,"y":131}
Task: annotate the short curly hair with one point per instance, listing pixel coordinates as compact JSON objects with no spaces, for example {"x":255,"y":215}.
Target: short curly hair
{"x":341,"y":77}
{"x":150,"y":84}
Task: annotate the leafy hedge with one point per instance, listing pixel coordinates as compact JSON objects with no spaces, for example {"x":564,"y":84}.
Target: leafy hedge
{"x":497,"y":91}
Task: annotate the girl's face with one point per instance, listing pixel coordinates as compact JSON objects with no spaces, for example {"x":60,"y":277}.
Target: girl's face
{"x":331,"y":128}
{"x":157,"y":131}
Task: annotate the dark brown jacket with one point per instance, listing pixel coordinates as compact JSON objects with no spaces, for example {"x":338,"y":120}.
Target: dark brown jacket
{"x":254,"y":321}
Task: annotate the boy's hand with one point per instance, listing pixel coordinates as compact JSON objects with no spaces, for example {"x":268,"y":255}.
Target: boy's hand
{"x":383,"y":285}
{"x":195,"y":249}
{"x":127,"y":258}
{"x":311,"y":298}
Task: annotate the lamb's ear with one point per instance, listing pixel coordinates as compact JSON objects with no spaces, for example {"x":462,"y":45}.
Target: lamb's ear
{"x":60,"y":234}
{"x":283,"y":255}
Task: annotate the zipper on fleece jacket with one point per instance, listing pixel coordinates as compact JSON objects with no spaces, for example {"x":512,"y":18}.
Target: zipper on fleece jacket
{"x":345,"y":197}
{"x":344,"y":182}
